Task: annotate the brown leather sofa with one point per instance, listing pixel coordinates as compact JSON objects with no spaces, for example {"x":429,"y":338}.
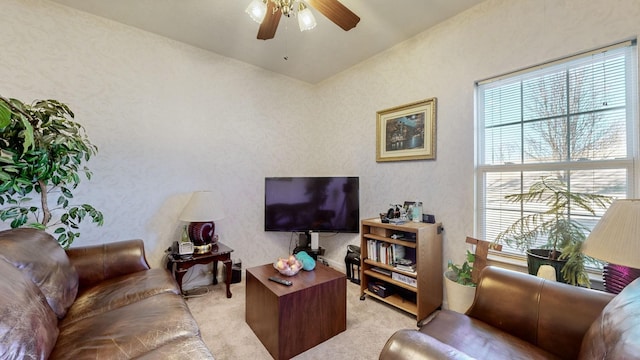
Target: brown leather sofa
{"x":519,"y":316}
{"x":98,"y":302}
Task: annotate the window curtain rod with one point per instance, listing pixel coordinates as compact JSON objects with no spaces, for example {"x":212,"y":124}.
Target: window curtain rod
{"x":558,"y":61}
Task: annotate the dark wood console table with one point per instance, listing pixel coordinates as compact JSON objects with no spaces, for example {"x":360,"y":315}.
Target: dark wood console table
{"x":219,"y":252}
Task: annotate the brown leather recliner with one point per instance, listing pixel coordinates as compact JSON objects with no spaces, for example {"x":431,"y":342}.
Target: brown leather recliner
{"x":97,"y":302}
{"x":519,"y":316}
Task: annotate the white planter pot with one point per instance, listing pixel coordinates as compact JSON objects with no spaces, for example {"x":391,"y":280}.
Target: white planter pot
{"x":459,"y":297}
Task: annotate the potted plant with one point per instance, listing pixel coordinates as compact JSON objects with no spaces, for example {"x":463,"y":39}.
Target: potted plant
{"x":459,"y":284}
{"x":562,"y":234}
{"x":42,"y":151}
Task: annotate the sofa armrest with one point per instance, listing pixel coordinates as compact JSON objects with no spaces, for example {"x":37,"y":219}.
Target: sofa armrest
{"x":97,"y":263}
{"x":414,"y":345}
{"x":548,"y":314}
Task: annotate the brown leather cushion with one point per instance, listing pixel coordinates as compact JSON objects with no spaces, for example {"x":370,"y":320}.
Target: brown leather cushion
{"x":414,"y":345}
{"x":39,"y":256}
{"x":548,"y":314}
{"x":120,"y":291}
{"x":180,"y":349}
{"x":479,"y":340}
{"x":29,"y":326}
{"x":616,"y":332}
{"x":128,"y":331}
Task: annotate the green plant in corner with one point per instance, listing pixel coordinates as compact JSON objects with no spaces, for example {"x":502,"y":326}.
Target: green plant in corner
{"x":42,"y":151}
{"x":556,"y":225}
{"x":463,"y":273}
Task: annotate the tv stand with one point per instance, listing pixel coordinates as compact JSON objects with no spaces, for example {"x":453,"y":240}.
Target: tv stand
{"x":313,"y":253}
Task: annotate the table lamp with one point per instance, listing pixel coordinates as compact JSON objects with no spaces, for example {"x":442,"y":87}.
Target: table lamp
{"x":616,"y":240}
{"x":201,"y":211}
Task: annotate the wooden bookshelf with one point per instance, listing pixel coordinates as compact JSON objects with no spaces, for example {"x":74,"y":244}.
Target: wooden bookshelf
{"x":419,"y":300}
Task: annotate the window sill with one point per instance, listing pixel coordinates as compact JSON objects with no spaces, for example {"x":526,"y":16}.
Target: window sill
{"x":509,"y":262}
{"x":518,"y":263}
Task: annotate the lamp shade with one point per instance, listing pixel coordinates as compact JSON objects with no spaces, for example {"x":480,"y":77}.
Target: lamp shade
{"x":203,"y":206}
{"x":257,"y":10}
{"x":616,"y":237}
{"x":306,"y":20}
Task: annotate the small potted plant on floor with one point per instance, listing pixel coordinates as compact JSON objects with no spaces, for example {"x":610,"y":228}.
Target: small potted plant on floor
{"x":42,"y":152}
{"x":459,"y":284}
{"x":561,"y":233}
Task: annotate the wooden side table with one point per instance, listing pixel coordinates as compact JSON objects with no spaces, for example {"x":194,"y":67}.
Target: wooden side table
{"x":219,"y":252}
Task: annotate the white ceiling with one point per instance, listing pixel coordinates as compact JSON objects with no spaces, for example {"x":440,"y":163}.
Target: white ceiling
{"x":223,"y":27}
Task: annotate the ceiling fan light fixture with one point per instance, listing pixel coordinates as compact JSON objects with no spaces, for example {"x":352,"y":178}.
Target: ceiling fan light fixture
{"x":306,"y":20}
{"x":257,"y":10}
{"x":276,"y":9}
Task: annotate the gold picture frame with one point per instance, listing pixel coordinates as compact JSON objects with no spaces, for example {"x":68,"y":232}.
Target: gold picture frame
{"x":407,"y":132}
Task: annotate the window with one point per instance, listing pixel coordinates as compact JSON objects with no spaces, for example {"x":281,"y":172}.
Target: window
{"x":573,"y":119}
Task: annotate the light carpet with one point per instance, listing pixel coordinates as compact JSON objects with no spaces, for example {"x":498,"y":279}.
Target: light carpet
{"x":222,"y":324}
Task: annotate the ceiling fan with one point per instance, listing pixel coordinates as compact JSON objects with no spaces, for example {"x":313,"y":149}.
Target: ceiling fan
{"x":268,"y":13}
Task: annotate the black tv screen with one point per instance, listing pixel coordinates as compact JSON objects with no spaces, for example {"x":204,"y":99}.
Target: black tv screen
{"x":327,"y":204}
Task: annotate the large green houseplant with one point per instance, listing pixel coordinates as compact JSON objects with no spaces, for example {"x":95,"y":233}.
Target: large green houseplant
{"x":42,"y":152}
{"x":562,"y":234}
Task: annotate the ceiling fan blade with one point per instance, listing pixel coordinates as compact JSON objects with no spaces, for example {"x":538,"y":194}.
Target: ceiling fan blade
{"x":269,"y":24}
{"x":336,"y":12}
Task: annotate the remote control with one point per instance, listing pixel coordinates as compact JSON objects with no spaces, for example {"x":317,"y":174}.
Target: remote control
{"x":280,"y":280}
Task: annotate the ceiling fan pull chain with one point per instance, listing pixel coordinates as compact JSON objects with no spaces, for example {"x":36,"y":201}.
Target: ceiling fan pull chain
{"x":286,"y":41}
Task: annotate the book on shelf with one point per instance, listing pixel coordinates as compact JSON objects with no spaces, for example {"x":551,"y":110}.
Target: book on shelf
{"x":401,"y":257}
{"x":407,"y":263}
{"x":381,"y":270}
{"x":383,"y":252}
{"x":404,"y":279}
{"x":406,"y":268}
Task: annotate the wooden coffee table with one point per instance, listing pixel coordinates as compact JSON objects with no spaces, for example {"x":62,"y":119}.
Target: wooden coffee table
{"x":291,"y":319}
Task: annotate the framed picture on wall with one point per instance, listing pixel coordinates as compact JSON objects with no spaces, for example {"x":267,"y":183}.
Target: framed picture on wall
{"x":407,"y":132}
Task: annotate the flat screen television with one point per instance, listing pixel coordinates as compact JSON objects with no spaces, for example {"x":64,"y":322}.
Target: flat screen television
{"x":312,"y":204}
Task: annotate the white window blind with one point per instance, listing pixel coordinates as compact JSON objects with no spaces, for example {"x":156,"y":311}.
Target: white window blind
{"x":574,"y":119}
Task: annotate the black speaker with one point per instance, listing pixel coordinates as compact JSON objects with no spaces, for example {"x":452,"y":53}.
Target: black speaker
{"x":352,"y":262}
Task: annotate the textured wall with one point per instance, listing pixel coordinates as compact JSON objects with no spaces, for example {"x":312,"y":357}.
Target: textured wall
{"x":170,"y":119}
{"x":493,"y":38}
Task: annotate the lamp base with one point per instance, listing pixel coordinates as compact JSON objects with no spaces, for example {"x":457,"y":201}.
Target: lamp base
{"x":617,"y":277}
{"x":201,"y":233}
{"x":201,"y":249}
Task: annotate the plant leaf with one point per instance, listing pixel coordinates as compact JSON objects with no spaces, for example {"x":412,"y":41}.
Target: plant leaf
{"x":5,"y":116}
